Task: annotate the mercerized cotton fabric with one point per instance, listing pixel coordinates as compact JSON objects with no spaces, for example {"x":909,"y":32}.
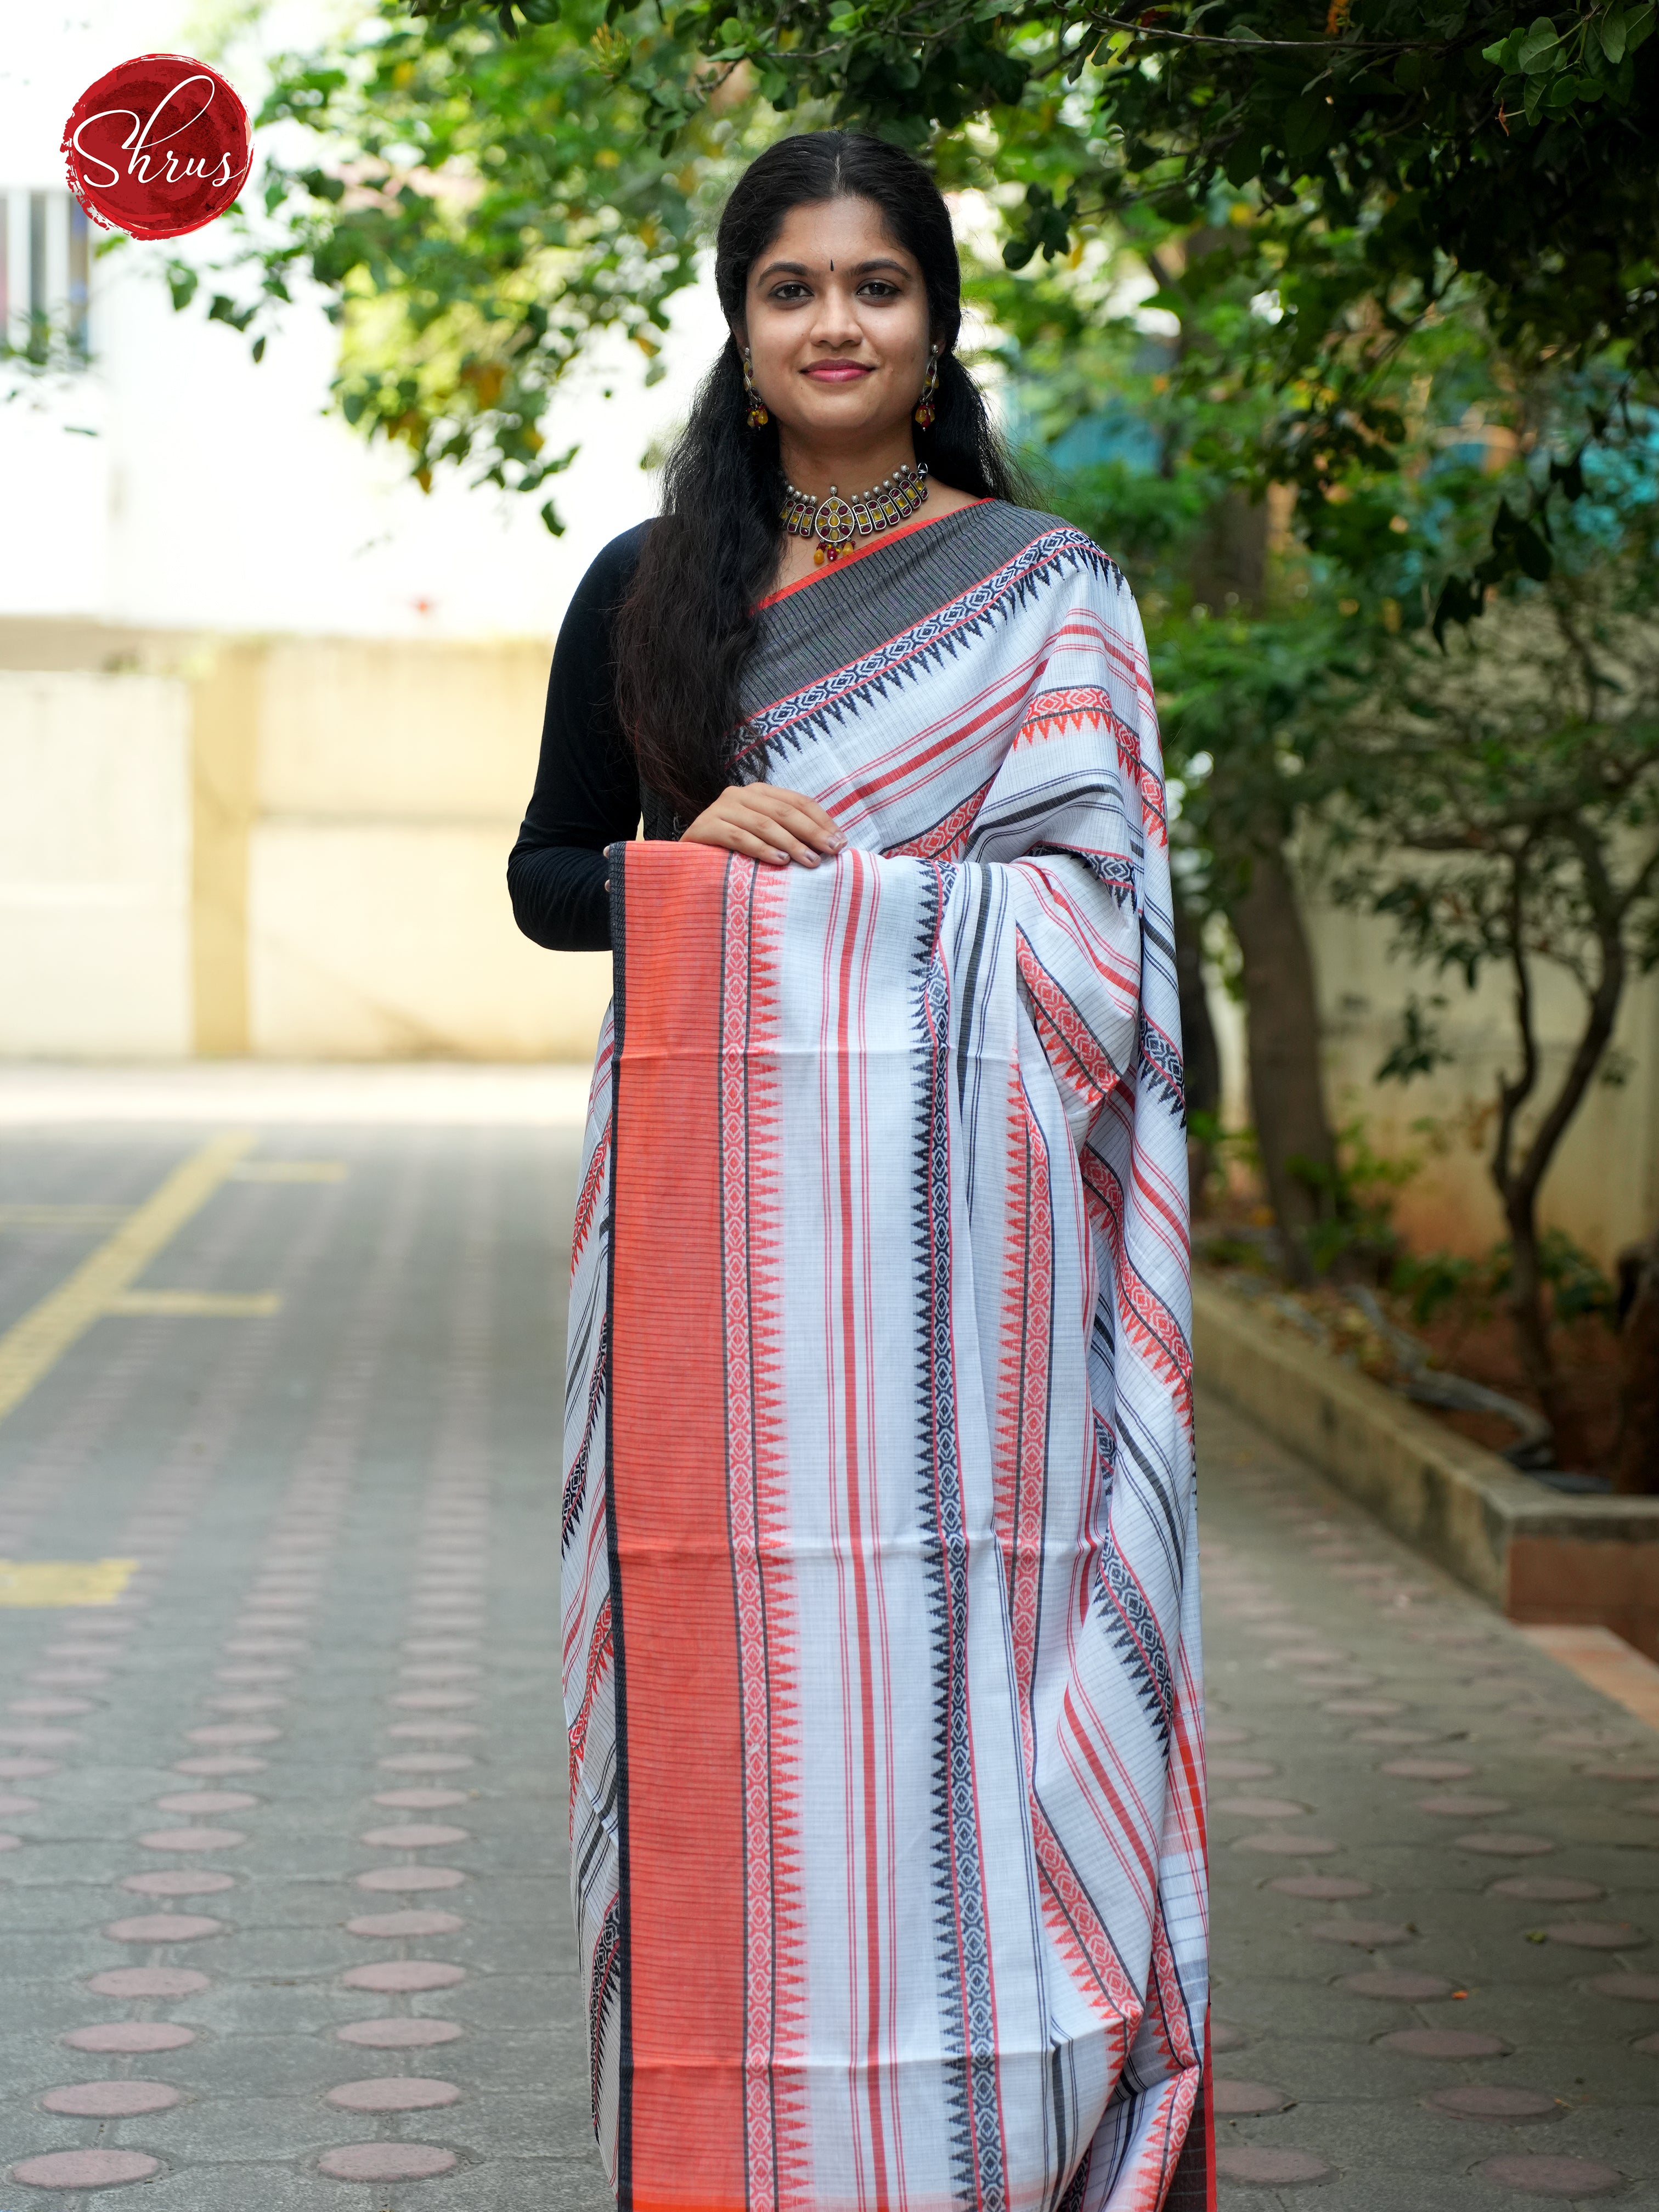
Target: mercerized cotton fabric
{"x":880,"y":1567}
{"x":588,"y":791}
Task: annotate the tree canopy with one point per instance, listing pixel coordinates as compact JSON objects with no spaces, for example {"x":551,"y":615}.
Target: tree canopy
{"x":524,"y":172}
{"x":1404,"y":149}
{"x":478,"y":209}
{"x":1496,"y":808}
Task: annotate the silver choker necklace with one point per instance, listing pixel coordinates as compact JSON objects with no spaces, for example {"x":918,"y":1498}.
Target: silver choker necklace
{"x":835,"y":521}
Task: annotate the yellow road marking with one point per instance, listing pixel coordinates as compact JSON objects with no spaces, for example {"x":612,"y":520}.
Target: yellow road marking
{"x":31,"y":1347}
{"x":290,"y":1171}
{"x":64,"y":1582}
{"x":212,"y":1305}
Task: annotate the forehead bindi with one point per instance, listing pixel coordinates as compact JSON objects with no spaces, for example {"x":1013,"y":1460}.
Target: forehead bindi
{"x":848,"y":233}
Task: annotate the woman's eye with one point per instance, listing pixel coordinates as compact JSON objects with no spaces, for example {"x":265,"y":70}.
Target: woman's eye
{"x":789,"y":291}
{"x":879,"y":289}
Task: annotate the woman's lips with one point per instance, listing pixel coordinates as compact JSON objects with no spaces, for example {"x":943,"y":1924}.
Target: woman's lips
{"x":837,"y":371}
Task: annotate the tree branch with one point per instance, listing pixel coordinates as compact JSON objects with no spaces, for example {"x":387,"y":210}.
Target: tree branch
{"x":1512,"y":1095}
{"x":1137,"y":29}
{"x":1598,"y":1027}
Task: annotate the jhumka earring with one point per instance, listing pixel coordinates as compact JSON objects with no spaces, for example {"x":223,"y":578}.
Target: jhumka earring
{"x":758,"y":417}
{"x":926,"y":409}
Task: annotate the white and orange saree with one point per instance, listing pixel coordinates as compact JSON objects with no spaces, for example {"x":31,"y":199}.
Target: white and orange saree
{"x":881,"y":1652}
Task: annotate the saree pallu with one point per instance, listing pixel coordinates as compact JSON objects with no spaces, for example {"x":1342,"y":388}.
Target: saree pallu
{"x":881,"y":1650}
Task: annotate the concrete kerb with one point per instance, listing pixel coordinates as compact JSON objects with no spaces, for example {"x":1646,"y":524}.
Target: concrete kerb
{"x":1538,"y":1556}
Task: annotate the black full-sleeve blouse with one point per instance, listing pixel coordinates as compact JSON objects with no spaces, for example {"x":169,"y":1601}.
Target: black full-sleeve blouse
{"x":588,"y":792}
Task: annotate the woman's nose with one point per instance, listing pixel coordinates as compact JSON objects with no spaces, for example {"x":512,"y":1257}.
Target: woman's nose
{"x":836,"y":322}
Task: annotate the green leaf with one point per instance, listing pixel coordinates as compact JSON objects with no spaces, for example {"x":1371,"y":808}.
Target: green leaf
{"x":1638,"y":28}
{"x":1570,"y":475}
{"x":1244,"y":160}
{"x":1532,"y":553}
{"x":1307,"y":127}
{"x":1611,"y":30}
{"x":1515,"y":543}
{"x":1459,"y":602}
{"x":1541,"y":49}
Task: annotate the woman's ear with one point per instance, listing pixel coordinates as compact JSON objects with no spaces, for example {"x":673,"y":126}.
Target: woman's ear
{"x":739,"y":337}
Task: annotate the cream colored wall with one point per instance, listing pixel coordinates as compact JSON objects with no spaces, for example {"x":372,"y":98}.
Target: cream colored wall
{"x":361,"y":729}
{"x":394,"y":940}
{"x":1604,"y":1187}
{"x":292,"y":848}
{"x":390,"y":783}
{"x":95,"y":865}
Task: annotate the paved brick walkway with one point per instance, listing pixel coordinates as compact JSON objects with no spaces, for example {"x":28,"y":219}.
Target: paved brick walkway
{"x":286,"y":1923}
{"x":1433,"y":1866}
{"x":283,"y":1877}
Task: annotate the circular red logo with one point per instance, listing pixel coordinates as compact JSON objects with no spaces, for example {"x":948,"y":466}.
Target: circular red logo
{"x":159,"y":145}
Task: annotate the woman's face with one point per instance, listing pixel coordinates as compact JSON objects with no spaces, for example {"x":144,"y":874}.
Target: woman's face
{"x":836,"y":324}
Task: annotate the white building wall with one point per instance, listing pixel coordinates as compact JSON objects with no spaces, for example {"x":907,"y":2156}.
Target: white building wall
{"x":194,"y":499}
{"x":217,"y":494}
{"x":94,"y":866}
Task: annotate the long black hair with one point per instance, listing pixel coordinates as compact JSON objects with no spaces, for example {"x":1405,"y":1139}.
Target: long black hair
{"x":687,"y":624}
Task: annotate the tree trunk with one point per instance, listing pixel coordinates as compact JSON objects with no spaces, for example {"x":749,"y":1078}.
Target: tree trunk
{"x":1518,"y":1186}
{"x":1299,"y":1151}
{"x":1287,"y":1098}
{"x":1531,"y":1323}
{"x":1228,"y":568}
{"x":1200,"y":1058}
{"x":1635,"y":1455}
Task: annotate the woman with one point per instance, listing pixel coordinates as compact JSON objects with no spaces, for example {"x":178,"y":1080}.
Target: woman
{"x":880,"y":1592}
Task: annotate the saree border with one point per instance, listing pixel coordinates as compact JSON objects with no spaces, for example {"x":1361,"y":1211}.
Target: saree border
{"x":680,"y":2143}
{"x":625,"y":2176}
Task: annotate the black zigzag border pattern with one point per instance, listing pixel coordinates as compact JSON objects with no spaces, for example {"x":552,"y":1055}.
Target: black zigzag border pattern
{"x":964,"y":1939}
{"x":576,"y":1487}
{"x":1161,"y":1056}
{"x":1139,"y":1643}
{"x":599,"y":1992}
{"x":906,"y":656}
